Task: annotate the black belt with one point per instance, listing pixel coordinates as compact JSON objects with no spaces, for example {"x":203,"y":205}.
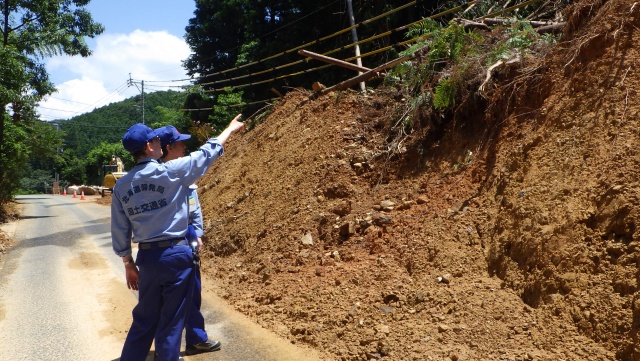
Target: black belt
{"x":163,"y":244}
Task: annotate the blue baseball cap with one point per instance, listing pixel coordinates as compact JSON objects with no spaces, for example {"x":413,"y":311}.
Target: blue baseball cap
{"x":137,"y":137}
{"x":169,"y":134}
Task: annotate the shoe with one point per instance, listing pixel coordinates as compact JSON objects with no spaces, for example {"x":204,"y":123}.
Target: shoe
{"x":207,"y":346}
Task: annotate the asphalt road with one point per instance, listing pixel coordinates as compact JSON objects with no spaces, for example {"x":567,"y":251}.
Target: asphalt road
{"x":63,"y":294}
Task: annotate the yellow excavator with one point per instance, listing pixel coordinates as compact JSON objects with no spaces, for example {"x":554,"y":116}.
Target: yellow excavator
{"x":113,"y":171}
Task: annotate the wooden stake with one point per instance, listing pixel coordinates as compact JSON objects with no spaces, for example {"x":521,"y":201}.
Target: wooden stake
{"x":277,"y":92}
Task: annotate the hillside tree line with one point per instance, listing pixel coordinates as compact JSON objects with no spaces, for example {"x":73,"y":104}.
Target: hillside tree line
{"x":238,"y":48}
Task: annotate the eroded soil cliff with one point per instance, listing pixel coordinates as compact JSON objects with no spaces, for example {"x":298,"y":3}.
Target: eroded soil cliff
{"x":510,"y":235}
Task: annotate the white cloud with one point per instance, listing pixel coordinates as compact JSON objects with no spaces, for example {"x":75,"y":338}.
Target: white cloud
{"x":87,"y":83}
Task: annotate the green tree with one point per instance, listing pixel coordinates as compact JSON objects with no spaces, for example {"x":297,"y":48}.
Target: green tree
{"x":45,"y":141}
{"x":224,"y":111}
{"x":44,"y":146}
{"x":32,"y":30}
{"x":224,"y":34}
{"x":72,"y":168}
{"x":100,"y":156}
{"x":37,"y":181}
{"x":110,"y":122}
{"x":170,"y":116}
{"x":251,"y":45}
{"x":14,"y":159}
{"x":218,"y":110}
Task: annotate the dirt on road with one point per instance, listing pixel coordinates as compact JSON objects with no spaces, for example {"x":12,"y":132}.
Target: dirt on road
{"x":8,"y":212}
{"x":508,"y":235}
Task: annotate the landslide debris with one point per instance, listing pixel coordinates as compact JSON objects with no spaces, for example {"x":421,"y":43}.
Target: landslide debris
{"x":508,"y":235}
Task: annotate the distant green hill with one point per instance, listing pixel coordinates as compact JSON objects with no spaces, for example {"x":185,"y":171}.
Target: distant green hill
{"x":108,"y":123}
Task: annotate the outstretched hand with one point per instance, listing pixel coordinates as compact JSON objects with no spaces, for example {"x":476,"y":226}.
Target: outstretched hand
{"x":236,"y":124}
{"x":233,"y":127}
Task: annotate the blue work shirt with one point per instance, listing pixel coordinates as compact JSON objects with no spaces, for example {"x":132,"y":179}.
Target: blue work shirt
{"x":150,"y":202}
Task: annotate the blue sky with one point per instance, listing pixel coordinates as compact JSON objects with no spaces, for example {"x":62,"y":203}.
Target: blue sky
{"x":144,"y":38}
{"x":124,"y":16}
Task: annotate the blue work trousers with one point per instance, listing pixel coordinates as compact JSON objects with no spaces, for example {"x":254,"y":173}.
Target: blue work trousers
{"x":165,"y":295}
{"x":194,"y":330}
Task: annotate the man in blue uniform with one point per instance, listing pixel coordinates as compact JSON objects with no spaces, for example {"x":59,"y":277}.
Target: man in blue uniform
{"x":149,"y":207}
{"x":196,"y":337}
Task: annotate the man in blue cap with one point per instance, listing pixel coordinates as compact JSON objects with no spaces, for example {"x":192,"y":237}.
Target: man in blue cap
{"x":149,"y":207}
{"x":173,"y":147}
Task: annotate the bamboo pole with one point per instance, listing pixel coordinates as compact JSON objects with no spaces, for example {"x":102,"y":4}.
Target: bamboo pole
{"x":354,"y":35}
{"x":334,"y":61}
{"x":365,"y":76}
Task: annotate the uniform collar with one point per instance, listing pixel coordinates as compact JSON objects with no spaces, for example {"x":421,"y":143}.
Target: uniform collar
{"x":146,"y":160}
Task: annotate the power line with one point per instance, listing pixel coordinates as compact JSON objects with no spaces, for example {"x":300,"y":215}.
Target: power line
{"x":166,"y":86}
{"x":365,"y":22}
{"x":87,"y":125}
{"x":67,"y":100}
{"x":104,"y":100}
{"x":375,"y":18}
{"x":159,"y":86}
{"x":58,"y":110}
{"x":279,"y":29}
{"x":122,"y":87}
{"x":404,"y":27}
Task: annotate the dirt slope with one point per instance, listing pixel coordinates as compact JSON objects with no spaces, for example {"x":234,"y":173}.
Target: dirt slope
{"x":512,"y":236}
{"x":508,"y":235}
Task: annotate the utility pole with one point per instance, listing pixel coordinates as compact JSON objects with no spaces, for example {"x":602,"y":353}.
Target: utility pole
{"x":354,"y":35}
{"x":132,"y":82}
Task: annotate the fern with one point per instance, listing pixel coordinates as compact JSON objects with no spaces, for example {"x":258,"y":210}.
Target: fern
{"x":444,"y":96}
{"x":422,"y":28}
{"x":446,"y":52}
{"x":521,"y":38}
